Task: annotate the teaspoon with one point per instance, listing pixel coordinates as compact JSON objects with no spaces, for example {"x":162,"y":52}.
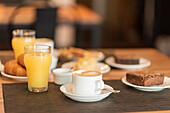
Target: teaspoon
{"x":112,"y":90}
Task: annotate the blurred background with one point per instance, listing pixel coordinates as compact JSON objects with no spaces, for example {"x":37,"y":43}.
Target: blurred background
{"x":90,"y":23}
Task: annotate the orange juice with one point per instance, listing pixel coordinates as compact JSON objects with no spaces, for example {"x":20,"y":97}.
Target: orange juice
{"x":37,"y":65}
{"x":18,"y":44}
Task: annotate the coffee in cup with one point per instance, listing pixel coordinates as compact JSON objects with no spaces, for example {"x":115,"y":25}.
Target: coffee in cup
{"x":88,"y":73}
{"x":87,"y":83}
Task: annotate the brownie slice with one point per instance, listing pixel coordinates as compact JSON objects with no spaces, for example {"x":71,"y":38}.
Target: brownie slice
{"x":142,"y":78}
{"x":126,"y":59}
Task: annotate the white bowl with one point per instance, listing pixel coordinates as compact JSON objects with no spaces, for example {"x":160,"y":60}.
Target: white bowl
{"x":62,"y":76}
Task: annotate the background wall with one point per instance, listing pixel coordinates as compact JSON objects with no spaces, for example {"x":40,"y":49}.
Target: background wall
{"x":125,"y":23}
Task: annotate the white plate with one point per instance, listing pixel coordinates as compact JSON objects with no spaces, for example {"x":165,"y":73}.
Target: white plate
{"x":13,"y":77}
{"x":67,"y":90}
{"x":100,"y":65}
{"x":166,"y":84}
{"x":20,"y":78}
{"x":1,"y":66}
{"x":17,"y":77}
{"x":142,"y":64}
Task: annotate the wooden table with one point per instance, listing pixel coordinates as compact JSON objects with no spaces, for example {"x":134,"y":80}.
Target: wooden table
{"x":160,"y":63}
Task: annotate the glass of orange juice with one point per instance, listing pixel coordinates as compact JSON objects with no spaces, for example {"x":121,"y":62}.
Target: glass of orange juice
{"x":21,"y":38}
{"x":37,"y":60}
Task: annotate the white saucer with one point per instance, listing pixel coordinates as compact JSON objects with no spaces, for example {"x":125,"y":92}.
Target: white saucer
{"x":67,"y":90}
{"x":166,"y":84}
{"x":102,"y":67}
{"x":142,"y":64}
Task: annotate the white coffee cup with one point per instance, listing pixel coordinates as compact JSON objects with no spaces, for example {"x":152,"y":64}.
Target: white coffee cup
{"x":46,"y":41}
{"x":87,"y":83}
{"x":62,"y":76}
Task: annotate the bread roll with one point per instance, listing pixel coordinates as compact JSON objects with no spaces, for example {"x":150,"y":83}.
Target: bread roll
{"x":20,"y":60}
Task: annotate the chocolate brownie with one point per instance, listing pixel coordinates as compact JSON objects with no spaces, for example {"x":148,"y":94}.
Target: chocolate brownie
{"x":126,"y":59}
{"x":142,"y":78}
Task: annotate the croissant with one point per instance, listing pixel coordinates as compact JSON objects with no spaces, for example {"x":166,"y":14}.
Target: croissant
{"x":13,"y":68}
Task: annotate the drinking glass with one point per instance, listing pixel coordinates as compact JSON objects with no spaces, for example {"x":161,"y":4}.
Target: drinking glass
{"x":37,"y":60}
{"x":21,"y":38}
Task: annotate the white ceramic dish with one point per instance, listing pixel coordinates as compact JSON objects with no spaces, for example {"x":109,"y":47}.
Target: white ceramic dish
{"x":102,"y":67}
{"x":166,"y":84}
{"x":67,"y":90}
{"x":14,"y":77}
{"x":142,"y":64}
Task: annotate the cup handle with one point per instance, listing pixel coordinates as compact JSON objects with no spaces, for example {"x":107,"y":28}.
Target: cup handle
{"x":99,"y":85}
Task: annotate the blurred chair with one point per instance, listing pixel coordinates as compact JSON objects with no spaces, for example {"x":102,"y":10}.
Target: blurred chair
{"x":45,"y":23}
{"x":162,"y":43}
{"x":95,"y":31}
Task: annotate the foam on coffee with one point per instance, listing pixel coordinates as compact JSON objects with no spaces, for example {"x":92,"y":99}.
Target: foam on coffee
{"x":89,"y":73}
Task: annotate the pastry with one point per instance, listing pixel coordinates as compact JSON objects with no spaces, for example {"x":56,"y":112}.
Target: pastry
{"x":13,"y":68}
{"x":20,"y":60}
{"x":77,"y":52}
{"x":143,"y":78}
{"x":73,"y":53}
{"x":86,"y":63}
